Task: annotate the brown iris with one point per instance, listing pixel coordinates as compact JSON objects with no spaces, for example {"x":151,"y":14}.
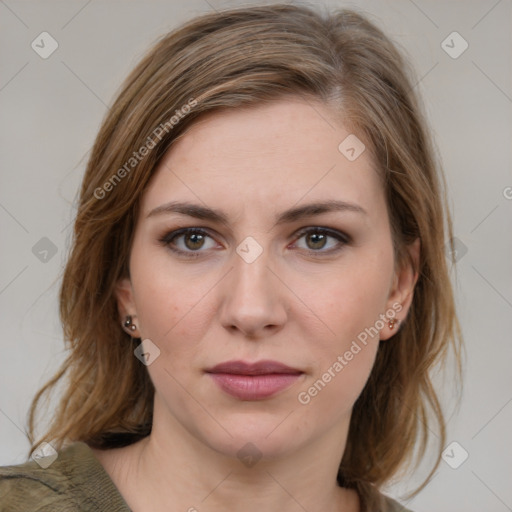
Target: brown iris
{"x":194,"y":241}
{"x":317,"y":240}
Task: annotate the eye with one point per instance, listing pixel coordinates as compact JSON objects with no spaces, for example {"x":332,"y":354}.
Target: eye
{"x":322,"y":240}
{"x":188,"y":241}
{"x":191,"y":242}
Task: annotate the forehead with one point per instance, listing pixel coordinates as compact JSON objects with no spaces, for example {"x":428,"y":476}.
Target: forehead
{"x":277,"y":153}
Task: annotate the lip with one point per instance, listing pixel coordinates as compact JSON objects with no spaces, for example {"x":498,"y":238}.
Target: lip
{"x":253,"y":381}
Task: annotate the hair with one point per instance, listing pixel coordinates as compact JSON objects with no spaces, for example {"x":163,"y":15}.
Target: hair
{"x":240,"y":58}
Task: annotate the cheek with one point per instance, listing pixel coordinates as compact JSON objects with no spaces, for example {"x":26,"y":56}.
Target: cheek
{"x":349,"y":303}
{"x":166,"y":297}
{"x":344,"y":355}
{"x":175,"y":312}
{"x":350,"y":299}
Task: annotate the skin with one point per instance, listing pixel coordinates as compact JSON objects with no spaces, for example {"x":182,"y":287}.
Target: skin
{"x":300,"y":303}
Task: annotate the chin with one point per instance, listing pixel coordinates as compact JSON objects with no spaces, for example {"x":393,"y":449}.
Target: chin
{"x":257,"y":435}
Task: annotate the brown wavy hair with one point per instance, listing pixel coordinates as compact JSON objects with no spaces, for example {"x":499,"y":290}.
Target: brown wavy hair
{"x":238,"y":58}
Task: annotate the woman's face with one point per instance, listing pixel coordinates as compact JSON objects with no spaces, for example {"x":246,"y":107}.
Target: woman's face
{"x":288,"y":261}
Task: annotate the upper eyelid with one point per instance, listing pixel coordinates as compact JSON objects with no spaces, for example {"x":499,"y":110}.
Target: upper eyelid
{"x":206,"y":230}
{"x":329,"y":231}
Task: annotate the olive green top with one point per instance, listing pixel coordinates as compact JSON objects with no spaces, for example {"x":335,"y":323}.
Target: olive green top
{"x":74,"y":482}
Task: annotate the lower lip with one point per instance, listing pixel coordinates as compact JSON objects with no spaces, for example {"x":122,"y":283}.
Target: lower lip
{"x":254,"y":387}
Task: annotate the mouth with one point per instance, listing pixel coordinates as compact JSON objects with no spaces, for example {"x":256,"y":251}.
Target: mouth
{"x":253,"y":381}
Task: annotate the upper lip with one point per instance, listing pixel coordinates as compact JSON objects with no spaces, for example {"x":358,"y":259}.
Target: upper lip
{"x":257,"y":368}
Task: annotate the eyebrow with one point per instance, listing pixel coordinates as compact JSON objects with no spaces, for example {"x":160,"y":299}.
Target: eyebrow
{"x":288,"y":216}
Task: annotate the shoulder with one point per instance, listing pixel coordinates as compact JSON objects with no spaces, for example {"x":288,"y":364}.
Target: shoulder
{"x":73,"y":482}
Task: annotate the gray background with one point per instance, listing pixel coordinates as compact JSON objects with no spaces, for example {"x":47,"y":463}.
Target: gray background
{"x":51,"y":110}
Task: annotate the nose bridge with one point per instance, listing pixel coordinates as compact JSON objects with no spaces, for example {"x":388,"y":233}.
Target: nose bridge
{"x":250,"y":277}
{"x":251,"y":298}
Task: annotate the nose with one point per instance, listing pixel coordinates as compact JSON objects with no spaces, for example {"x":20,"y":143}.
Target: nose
{"x":253,"y":299}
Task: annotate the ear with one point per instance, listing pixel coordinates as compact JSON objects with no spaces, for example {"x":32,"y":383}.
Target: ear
{"x":402,"y":290}
{"x":126,"y":305}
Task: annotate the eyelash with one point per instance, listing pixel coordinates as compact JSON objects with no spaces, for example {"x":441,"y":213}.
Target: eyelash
{"x":169,"y":238}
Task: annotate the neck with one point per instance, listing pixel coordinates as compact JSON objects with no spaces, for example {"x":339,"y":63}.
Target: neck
{"x":171,"y":470}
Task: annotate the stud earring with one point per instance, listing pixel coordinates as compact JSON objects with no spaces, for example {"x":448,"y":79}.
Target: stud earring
{"x":392,"y":322}
{"x":128,"y":323}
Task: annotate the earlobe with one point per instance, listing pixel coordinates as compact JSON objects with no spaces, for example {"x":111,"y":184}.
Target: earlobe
{"x":392,"y":323}
{"x":402,"y":291}
{"x":126,"y":307}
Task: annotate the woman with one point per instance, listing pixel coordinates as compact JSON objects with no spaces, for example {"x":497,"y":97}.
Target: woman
{"x":257,"y":288}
